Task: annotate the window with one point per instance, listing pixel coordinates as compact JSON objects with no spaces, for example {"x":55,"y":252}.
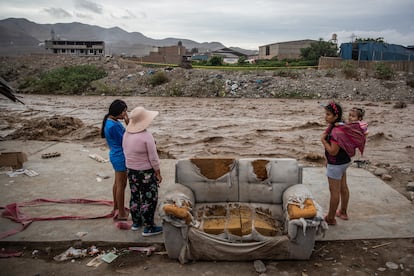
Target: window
{"x":267,"y":50}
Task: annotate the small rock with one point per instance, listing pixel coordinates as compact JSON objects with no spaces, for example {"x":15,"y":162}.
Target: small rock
{"x":259,"y":266}
{"x":410,"y":186}
{"x":391,"y":265}
{"x":386,"y":177}
{"x":382,"y":269}
{"x":411,"y":196}
{"x":380,"y":171}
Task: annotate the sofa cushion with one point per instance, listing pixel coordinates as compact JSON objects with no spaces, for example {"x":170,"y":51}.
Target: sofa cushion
{"x":200,"y":176}
{"x":265,"y":180}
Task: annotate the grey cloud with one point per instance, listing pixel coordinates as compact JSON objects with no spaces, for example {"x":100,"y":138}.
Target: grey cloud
{"x":58,"y":12}
{"x":83,"y":16}
{"x":129,"y":15}
{"x":90,"y":6}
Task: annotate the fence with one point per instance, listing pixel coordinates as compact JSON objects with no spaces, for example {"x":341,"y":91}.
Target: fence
{"x":397,"y":66}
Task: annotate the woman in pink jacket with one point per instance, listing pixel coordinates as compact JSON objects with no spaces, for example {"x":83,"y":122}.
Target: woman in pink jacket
{"x":143,"y":166}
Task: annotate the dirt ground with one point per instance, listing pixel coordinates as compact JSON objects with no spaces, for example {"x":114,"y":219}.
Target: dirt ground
{"x":226,"y":127}
{"x":358,"y":257}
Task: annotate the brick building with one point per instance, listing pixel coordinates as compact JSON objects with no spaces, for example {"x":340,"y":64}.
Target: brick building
{"x":169,"y":54}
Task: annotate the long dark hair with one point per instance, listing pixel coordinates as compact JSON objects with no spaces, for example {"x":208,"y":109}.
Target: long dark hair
{"x":335,"y":109}
{"x":115,"y":109}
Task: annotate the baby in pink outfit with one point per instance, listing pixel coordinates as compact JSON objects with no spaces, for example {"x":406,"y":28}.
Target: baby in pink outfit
{"x":356,"y":115}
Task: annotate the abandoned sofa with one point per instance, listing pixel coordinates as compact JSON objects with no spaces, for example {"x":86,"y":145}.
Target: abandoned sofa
{"x":234,"y":210}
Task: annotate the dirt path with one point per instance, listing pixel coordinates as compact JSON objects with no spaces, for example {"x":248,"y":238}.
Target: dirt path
{"x":361,"y":257}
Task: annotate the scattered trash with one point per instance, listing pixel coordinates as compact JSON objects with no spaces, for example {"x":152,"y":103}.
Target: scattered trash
{"x":5,"y":253}
{"x":109,"y":257}
{"x":391,"y":265}
{"x":5,"y":169}
{"x":147,"y":250}
{"x":102,"y":175}
{"x":27,"y":172}
{"x":98,"y":158}
{"x":81,"y":234}
{"x":259,"y":266}
{"x":70,"y":253}
{"x":161,"y":253}
{"x":380,"y":245}
{"x":98,"y":179}
{"x":93,"y":250}
{"x":95,"y":262}
{"x":50,"y":155}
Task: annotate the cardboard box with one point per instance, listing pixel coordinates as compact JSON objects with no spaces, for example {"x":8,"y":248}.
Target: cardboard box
{"x":12,"y":159}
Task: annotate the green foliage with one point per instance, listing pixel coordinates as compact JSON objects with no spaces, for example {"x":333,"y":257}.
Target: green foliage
{"x":175,"y":90}
{"x":158,"y":78}
{"x":319,"y":49}
{"x":71,"y":79}
{"x":241,"y":60}
{"x":293,"y":74}
{"x":330,"y":74}
{"x":292,"y":94}
{"x":383,"y":71}
{"x":349,"y":70}
{"x":282,"y":63}
{"x":215,"y":61}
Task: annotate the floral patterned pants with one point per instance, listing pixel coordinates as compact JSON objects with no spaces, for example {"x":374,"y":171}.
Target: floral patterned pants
{"x":144,"y":196}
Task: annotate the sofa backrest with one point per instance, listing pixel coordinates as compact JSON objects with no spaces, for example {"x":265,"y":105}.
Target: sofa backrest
{"x":264,"y":180}
{"x":245,"y":180}
{"x":211,"y":180}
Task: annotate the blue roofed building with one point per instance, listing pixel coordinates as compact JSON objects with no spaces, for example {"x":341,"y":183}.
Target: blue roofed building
{"x":376,"y":51}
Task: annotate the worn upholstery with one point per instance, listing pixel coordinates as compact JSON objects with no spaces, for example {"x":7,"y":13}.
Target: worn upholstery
{"x":241,"y":184}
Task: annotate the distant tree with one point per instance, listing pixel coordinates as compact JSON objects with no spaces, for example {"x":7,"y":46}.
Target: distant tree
{"x":369,"y":39}
{"x":319,"y":49}
{"x":242,"y":60}
{"x":180,"y":43}
{"x":216,"y":61}
{"x":194,"y":51}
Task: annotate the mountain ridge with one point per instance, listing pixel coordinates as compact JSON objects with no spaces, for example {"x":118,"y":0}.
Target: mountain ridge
{"x":20,"y":35}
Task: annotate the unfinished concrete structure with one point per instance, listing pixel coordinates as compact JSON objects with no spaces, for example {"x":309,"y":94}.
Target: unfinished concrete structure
{"x":284,"y":50}
{"x":75,"y":47}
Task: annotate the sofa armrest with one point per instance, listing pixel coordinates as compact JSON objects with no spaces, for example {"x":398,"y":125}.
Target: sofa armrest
{"x":297,"y":228}
{"x":180,"y":196}
{"x":176,"y":229}
{"x":298,"y":192}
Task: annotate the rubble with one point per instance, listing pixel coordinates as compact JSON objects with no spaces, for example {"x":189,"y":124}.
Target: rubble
{"x":128,"y":77}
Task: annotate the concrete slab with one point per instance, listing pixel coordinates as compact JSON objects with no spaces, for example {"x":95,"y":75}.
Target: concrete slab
{"x":376,"y":210}
{"x":70,"y":176}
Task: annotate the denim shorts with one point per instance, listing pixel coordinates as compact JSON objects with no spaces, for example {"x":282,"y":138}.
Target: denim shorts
{"x":336,"y":171}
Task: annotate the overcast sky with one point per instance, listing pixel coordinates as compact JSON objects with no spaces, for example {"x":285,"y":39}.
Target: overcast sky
{"x":243,"y":23}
